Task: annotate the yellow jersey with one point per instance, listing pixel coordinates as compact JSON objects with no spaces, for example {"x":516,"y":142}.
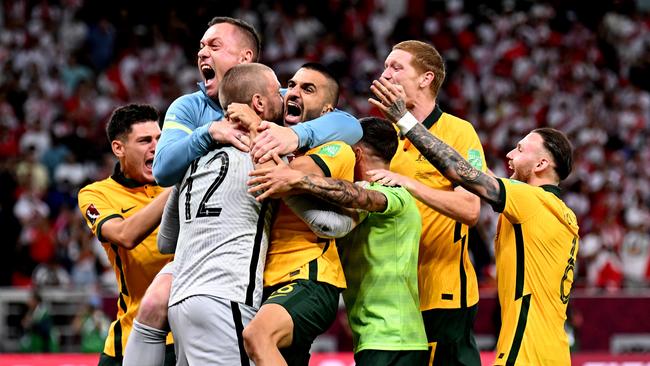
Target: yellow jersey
{"x":295,"y":252}
{"x":446,"y":275}
{"x":535,"y":247}
{"x":110,"y":198}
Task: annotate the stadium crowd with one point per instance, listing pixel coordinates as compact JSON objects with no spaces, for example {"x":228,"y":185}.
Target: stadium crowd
{"x":513,"y":66}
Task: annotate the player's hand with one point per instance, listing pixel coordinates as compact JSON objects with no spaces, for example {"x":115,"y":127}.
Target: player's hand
{"x":229,"y":132}
{"x":388,"y":178}
{"x":243,"y":114}
{"x":274,"y":182}
{"x":273,"y":139}
{"x":392,"y":99}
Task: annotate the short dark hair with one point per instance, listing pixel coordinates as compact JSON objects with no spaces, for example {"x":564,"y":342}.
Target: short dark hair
{"x":380,"y":136}
{"x":241,"y":82}
{"x":248,"y":31}
{"x":119,"y":125}
{"x":560,"y":147}
{"x":325,"y":71}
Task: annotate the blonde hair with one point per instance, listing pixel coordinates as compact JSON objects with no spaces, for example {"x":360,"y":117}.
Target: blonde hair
{"x":425,"y":58}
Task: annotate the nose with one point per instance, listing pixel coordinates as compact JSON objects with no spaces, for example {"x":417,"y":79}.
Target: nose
{"x":509,"y":154}
{"x":203,"y":53}
{"x":387,"y":74}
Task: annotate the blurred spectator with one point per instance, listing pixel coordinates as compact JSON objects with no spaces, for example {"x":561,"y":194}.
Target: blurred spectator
{"x":92,"y":326}
{"x":39,"y":335}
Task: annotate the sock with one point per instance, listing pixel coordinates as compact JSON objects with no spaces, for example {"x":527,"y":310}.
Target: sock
{"x":145,"y":347}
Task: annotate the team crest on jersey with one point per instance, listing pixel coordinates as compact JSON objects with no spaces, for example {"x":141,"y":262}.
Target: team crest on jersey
{"x":474,"y":159}
{"x":92,"y":213}
{"x":329,"y":150}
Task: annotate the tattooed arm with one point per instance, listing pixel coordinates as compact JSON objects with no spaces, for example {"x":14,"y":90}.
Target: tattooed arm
{"x":283,"y":179}
{"x":452,"y":165}
{"x":447,"y":160}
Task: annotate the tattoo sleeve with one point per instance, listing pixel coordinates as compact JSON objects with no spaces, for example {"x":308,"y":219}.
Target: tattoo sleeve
{"x":343,"y":193}
{"x":452,"y":165}
{"x":397,"y":109}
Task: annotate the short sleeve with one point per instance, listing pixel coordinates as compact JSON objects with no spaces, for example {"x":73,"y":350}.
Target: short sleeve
{"x":520,"y":200}
{"x":395,"y":198}
{"x":336,"y":159}
{"x":96,"y":210}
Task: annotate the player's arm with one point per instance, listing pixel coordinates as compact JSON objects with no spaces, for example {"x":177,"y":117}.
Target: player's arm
{"x":447,"y":160}
{"x":303,"y":175}
{"x":324,"y":219}
{"x":130,"y":232}
{"x":170,"y":225}
{"x":458,"y":204}
{"x":333,"y":126}
{"x":181,"y":142}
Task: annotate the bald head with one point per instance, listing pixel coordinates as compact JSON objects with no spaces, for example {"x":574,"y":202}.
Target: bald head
{"x":253,"y":84}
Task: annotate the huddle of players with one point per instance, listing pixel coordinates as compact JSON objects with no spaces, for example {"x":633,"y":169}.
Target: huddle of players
{"x":222,"y":230}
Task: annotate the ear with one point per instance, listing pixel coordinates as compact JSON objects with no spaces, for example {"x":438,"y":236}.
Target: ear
{"x":326,"y":109}
{"x":426,"y":79}
{"x":541,"y":165}
{"x":246,"y":55}
{"x":258,"y":103}
{"x":118,"y":148}
{"x":358,"y":152}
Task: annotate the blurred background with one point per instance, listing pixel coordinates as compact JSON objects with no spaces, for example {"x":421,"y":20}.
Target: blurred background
{"x":582,"y":67}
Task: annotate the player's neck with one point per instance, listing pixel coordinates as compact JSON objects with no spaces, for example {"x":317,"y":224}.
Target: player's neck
{"x":422,"y":107}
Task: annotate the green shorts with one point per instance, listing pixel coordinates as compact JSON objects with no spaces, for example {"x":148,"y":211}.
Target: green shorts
{"x":312,"y":306}
{"x":452,"y":331}
{"x":371,"y":357}
{"x":106,"y":360}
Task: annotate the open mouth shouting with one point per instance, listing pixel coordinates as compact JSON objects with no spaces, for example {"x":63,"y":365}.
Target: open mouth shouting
{"x":208,"y":74}
{"x":148,"y":163}
{"x":292,"y":112}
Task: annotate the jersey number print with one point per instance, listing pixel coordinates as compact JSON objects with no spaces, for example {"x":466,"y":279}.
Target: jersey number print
{"x":205,"y":210}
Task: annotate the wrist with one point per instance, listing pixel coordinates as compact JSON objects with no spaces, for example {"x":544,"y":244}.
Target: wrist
{"x":407,"y":122}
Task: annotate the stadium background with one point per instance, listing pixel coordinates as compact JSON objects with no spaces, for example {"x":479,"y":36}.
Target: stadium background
{"x":582,"y":67}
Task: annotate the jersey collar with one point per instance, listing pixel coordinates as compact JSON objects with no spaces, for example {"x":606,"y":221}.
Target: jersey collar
{"x":120,"y":178}
{"x":552,"y":189}
{"x":214,"y":104}
{"x":433,"y":117}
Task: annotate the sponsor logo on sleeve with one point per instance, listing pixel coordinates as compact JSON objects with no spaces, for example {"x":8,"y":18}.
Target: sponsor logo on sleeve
{"x":474,"y":159}
{"x":92,"y":214}
{"x":329,"y":150}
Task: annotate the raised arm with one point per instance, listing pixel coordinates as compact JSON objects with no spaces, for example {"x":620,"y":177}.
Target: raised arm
{"x":181,"y":141}
{"x":447,"y":160}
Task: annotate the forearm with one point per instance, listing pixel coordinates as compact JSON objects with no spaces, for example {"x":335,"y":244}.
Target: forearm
{"x":343,"y":193}
{"x":175,"y":152}
{"x":461,"y":206}
{"x":451,"y":164}
{"x":324,"y":219}
{"x":129,"y":232}
{"x":334,"y":126}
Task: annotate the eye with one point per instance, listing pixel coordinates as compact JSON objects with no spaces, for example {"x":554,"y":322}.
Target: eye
{"x":290,"y":84}
{"x":310,"y":89}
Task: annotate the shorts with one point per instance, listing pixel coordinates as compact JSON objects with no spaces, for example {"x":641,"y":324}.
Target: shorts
{"x":313,"y":307}
{"x":208,"y":330}
{"x":371,"y":357}
{"x":451,"y":337}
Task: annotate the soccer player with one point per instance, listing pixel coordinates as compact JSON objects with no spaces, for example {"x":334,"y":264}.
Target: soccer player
{"x":448,"y":284}
{"x":193,"y":121}
{"x":303,"y":276}
{"x":222,"y":236}
{"x":380,"y":256}
{"x":537,"y":234}
{"x":124,"y":212}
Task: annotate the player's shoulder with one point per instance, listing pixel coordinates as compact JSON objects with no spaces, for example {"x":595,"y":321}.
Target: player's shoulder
{"x":455,"y":123}
{"x":331,"y":149}
{"x":97,"y":186}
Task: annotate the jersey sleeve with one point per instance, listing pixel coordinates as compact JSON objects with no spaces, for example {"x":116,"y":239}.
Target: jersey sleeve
{"x":96,"y":210}
{"x":336,"y":160}
{"x":469,"y":147}
{"x":181,"y":142}
{"x":334,"y":126}
{"x":395,"y":199}
{"x":519,"y":200}
{"x":169,"y":224}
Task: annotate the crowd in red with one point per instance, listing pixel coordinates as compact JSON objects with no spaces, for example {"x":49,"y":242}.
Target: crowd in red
{"x":512,"y":66}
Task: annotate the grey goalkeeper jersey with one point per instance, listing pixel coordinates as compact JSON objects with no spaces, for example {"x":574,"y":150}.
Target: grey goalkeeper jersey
{"x":223,"y":232}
